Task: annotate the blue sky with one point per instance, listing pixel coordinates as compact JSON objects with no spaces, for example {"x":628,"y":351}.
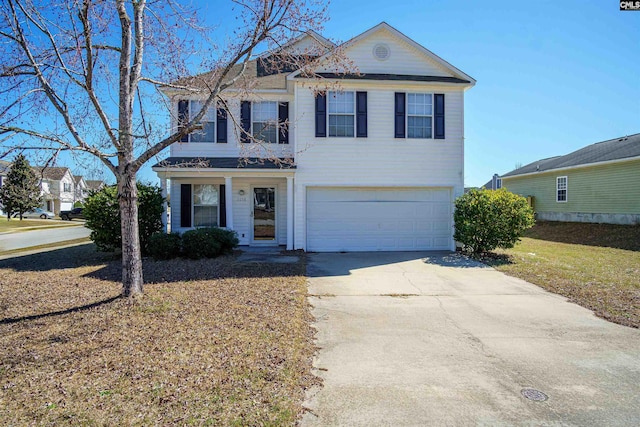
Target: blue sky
{"x":552,"y":76}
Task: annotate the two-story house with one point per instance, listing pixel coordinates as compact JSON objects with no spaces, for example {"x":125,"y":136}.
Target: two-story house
{"x":371,"y":163}
{"x":58,"y":188}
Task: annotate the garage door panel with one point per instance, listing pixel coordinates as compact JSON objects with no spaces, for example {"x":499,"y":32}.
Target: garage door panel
{"x":374,"y":219}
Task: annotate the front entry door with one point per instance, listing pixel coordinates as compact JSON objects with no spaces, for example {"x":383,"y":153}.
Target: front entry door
{"x":264,"y":214}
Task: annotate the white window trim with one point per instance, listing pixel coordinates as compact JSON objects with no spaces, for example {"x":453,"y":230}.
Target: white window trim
{"x":566,"y":188}
{"x":214,"y":121}
{"x":193,"y":206}
{"x":406,"y":118}
{"x":277,"y":121}
{"x":342,"y":114}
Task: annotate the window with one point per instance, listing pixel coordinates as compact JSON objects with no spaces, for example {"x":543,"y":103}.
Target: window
{"x":66,"y":187}
{"x":205,"y":205}
{"x":208,"y":131}
{"x":561,"y":189}
{"x":498,"y":183}
{"x":265,"y":121}
{"x":419,"y":115}
{"x":341,"y":113}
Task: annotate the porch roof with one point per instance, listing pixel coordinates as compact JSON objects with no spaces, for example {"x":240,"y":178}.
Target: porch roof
{"x":225,"y":163}
{"x":231,"y":166}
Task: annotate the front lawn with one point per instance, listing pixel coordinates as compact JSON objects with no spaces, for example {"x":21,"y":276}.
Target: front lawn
{"x":212,"y":342}
{"x":14,"y":224}
{"x":594,"y":265}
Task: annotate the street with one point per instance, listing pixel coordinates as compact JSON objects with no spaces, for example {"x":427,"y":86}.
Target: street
{"x":11,"y":241}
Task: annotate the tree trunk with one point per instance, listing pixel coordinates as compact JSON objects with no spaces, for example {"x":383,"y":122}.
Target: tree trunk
{"x":131,"y":259}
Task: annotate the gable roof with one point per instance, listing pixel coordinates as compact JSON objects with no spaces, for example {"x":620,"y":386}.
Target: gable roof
{"x":52,"y":173}
{"x":253,"y":76}
{"x":613,"y":149}
{"x":459,"y":76}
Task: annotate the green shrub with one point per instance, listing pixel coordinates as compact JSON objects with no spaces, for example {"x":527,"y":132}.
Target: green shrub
{"x":208,"y":242}
{"x":200,"y":243}
{"x":489,"y":219}
{"x":165,"y":246}
{"x":102,"y":213}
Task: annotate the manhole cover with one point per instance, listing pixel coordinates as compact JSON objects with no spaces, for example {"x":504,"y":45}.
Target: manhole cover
{"x":533,"y":394}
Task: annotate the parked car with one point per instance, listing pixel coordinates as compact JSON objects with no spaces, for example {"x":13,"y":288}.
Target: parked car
{"x":73,"y":213}
{"x":36,"y":213}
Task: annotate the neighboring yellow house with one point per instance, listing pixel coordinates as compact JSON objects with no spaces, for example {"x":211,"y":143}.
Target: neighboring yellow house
{"x":598,"y":183}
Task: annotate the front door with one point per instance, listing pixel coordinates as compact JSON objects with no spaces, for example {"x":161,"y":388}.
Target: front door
{"x":264,"y":215}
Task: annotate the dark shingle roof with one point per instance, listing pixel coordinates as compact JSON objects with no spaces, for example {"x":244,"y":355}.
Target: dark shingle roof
{"x":224,"y":163}
{"x":613,"y":149}
{"x":250,"y":78}
{"x":52,"y":173}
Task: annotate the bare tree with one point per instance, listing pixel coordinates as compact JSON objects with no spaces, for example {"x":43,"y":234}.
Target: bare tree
{"x":84,"y":76}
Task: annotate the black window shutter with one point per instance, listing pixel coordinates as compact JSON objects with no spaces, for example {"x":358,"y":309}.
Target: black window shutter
{"x":183,"y":117}
{"x":245,"y":121}
{"x":185,"y":205}
{"x":283,"y":122}
{"x":361,"y":114}
{"x":400,"y":115}
{"x":223,"y":206}
{"x":321,"y":115}
{"x":438,"y":116}
{"x":221,"y":125}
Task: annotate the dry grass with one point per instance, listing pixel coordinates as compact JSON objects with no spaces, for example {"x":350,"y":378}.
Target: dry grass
{"x":212,"y":342}
{"x":594,"y":265}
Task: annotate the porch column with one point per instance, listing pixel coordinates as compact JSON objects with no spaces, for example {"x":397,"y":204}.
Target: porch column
{"x":289,"y":213}
{"x":163,"y":187}
{"x":228,"y":198}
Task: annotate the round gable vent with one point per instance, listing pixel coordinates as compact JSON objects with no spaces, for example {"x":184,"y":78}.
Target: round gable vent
{"x":381,"y":52}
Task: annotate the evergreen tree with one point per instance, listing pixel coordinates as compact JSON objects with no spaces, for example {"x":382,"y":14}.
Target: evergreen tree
{"x":20,"y":192}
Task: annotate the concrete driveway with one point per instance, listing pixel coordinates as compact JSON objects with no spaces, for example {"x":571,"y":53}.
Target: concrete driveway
{"x":435,"y":339}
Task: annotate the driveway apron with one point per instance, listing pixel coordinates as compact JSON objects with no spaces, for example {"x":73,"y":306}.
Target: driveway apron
{"x":436,"y":339}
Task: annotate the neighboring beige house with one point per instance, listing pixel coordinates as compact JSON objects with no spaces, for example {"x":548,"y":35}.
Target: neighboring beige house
{"x":599,"y":183}
{"x":58,"y":188}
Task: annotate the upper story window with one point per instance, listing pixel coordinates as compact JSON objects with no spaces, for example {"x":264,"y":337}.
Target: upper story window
{"x":66,"y":186}
{"x":498,"y":183}
{"x":187,"y":110}
{"x":208,"y":131}
{"x":419,"y":115}
{"x":265,"y":121}
{"x":341,"y":113}
{"x":561,"y":189}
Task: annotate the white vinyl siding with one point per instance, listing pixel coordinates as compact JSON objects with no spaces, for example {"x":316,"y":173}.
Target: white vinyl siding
{"x":381,"y":161}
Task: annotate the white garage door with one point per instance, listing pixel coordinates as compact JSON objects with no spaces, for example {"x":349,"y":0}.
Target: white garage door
{"x":378,"y":219}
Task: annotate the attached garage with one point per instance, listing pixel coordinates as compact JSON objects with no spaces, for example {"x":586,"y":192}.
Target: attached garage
{"x":378,"y":219}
